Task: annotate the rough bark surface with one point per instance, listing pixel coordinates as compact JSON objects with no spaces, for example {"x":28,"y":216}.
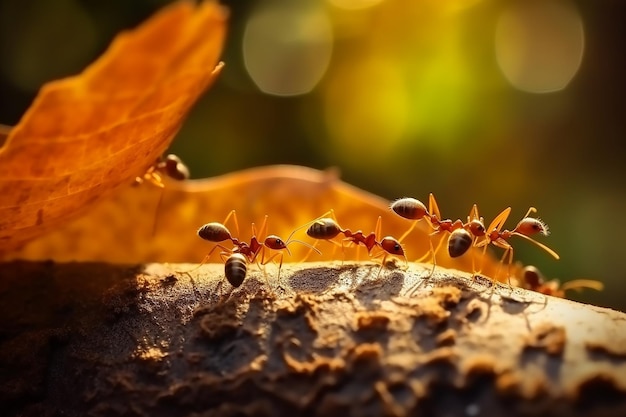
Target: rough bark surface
{"x":329,"y":339}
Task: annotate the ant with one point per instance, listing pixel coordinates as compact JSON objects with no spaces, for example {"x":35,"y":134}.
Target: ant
{"x":327,"y":228}
{"x":236,"y":259}
{"x":525,"y":228}
{"x":534,"y":280}
{"x":462,"y":235}
{"x":170,"y":166}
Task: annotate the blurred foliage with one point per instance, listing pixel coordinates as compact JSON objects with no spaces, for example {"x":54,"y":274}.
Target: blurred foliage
{"x":412,"y":99}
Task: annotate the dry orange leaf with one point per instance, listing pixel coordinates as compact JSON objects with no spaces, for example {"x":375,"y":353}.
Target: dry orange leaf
{"x":121,"y":229}
{"x":86,"y":135}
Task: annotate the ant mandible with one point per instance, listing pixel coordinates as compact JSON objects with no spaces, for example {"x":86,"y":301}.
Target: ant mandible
{"x":327,"y":228}
{"x":237,"y":258}
{"x":526,"y":227}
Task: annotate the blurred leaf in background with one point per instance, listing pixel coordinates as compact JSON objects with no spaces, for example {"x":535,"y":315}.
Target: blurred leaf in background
{"x":500,"y":103}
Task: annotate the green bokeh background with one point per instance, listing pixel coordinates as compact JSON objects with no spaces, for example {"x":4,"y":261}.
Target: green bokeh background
{"x":478,"y":140}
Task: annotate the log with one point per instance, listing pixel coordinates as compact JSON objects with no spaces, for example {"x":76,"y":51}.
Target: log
{"x":327,"y":339}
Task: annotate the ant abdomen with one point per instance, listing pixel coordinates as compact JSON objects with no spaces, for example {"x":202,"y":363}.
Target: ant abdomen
{"x":459,"y":242}
{"x":409,"y":208}
{"x":175,"y":168}
{"x":214,"y":232}
{"x":235,"y":269}
{"x":325,"y":228}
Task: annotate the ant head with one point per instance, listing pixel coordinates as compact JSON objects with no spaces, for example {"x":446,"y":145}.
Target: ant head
{"x":214,"y":232}
{"x":392,"y":246}
{"x":409,"y":208}
{"x":324,"y":228}
{"x":175,"y":168}
{"x":459,"y":242}
{"x":275,"y":242}
{"x":530,"y":226}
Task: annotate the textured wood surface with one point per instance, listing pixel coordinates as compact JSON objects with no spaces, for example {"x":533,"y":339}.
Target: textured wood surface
{"x":329,"y":339}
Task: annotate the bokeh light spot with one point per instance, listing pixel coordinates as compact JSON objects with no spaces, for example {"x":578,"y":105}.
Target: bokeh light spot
{"x":539,"y":45}
{"x":367,"y":110}
{"x":287,"y":49}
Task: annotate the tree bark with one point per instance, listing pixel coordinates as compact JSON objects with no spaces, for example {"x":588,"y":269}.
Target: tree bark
{"x":81,"y":339}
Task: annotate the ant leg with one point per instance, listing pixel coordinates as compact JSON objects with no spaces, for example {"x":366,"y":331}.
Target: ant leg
{"x":476,"y":273}
{"x":262,"y":263}
{"x":313,"y":247}
{"x":232,"y":214}
{"x":432,"y":254}
{"x":150,"y":175}
{"x":438,"y":248}
{"x":262,"y":230}
{"x":280,"y":264}
{"x":208,"y":256}
{"x":507,"y":251}
{"x":414,"y":287}
{"x":378,"y":227}
{"x":429,"y":254}
{"x":226,"y":296}
{"x":484,"y":244}
{"x":499,"y":221}
{"x":508,"y":273}
{"x":432,"y":271}
{"x":474,"y":255}
{"x":382,"y":263}
{"x":343,"y":249}
{"x":409,"y":230}
{"x":156,"y":213}
{"x":156,"y":179}
{"x":433,"y":207}
{"x":218,"y":289}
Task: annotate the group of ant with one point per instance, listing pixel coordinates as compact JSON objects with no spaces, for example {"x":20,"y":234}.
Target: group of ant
{"x":461,"y":237}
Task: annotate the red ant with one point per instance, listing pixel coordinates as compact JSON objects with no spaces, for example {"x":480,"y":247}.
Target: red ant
{"x":533,"y":279}
{"x":327,"y":228}
{"x":237,"y":258}
{"x":170,"y":166}
{"x":462,"y":235}
{"x":525,"y":228}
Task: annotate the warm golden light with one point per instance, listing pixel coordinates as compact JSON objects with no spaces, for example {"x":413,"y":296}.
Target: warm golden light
{"x":367,"y":110}
{"x":539,"y":45}
{"x":287,"y":49}
{"x":354,"y":4}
